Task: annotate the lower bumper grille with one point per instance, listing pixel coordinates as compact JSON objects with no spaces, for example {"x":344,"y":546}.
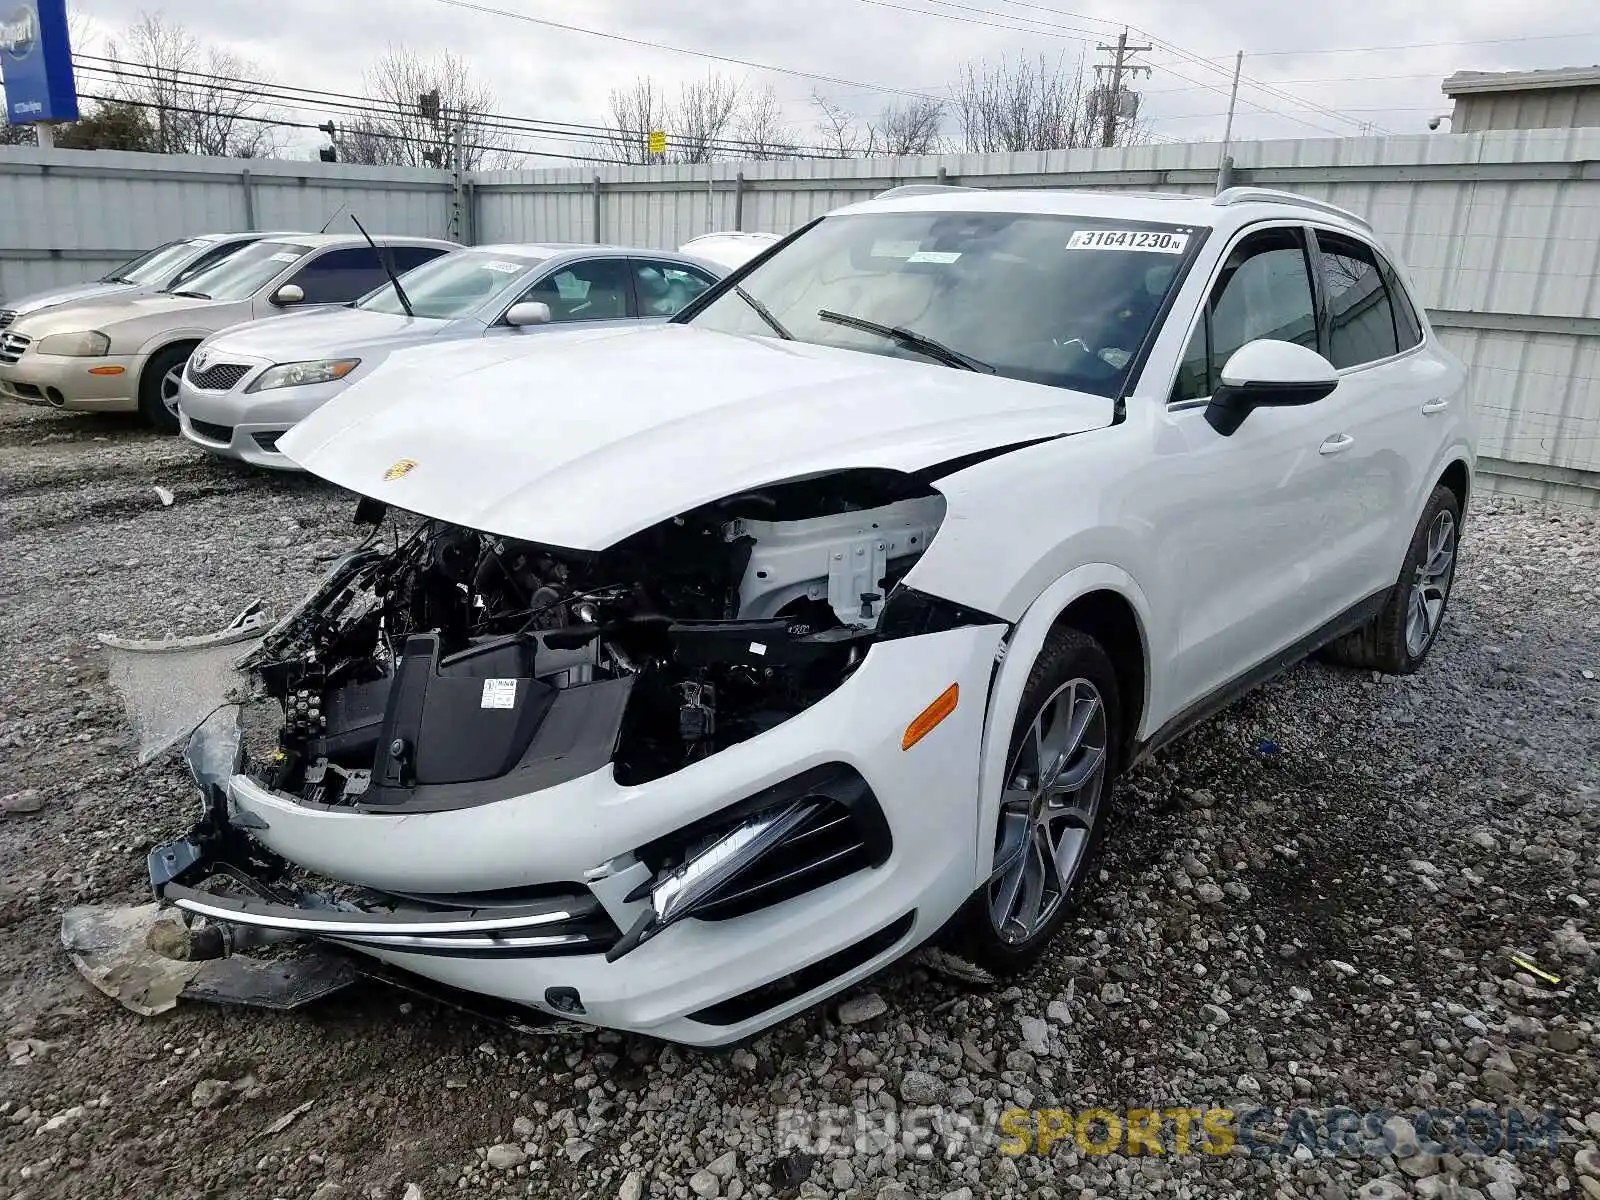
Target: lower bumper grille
{"x":215,"y":433}
{"x":267,"y":441}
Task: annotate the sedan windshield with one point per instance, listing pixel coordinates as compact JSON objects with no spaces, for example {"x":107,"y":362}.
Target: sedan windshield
{"x":1060,"y":300}
{"x":452,"y":285}
{"x":155,"y":266}
{"x":245,"y":271}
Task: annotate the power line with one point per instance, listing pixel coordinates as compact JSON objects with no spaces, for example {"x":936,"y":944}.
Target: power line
{"x":647,"y":44}
{"x":1532,"y":37}
{"x":314,"y":99}
{"x":1171,"y":47}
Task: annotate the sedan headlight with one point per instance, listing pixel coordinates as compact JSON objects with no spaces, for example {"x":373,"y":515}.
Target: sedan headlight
{"x":302,"y":373}
{"x":88,"y":344}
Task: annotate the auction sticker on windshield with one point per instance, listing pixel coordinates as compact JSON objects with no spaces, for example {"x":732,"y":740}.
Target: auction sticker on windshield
{"x":502,"y":268}
{"x":1128,"y":239}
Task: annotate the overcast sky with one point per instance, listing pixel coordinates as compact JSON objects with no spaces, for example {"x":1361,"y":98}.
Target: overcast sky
{"x":1377,"y":61}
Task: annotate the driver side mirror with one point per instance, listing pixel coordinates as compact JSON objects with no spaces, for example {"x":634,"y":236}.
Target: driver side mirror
{"x":289,"y":293}
{"x":1268,"y":374}
{"x":529,"y":312}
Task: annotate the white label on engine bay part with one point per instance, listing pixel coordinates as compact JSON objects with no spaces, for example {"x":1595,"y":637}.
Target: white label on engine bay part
{"x":499,"y":693}
{"x":757,"y":648}
{"x":503,"y":268}
{"x":1129,"y":239}
{"x":938,"y":256}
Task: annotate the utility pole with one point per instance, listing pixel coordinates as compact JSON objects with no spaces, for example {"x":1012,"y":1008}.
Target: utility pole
{"x":1111,"y":97}
{"x":1225,"y":164}
{"x":458,"y":167}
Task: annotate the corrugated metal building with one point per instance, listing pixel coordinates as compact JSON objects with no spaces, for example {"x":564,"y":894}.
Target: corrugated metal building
{"x":1565,"y":99}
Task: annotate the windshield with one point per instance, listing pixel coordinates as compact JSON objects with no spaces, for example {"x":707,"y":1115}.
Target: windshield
{"x":243,"y":272}
{"x":452,"y":285}
{"x":155,"y":266}
{"x":1060,"y":300}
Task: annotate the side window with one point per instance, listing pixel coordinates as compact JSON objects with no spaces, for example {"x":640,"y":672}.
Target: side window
{"x":597,"y":290}
{"x":1407,"y":326}
{"x":207,"y":258}
{"x":408,"y":257}
{"x":1361,"y":326}
{"x":665,"y":287}
{"x":1264,"y":291}
{"x":340,"y":276}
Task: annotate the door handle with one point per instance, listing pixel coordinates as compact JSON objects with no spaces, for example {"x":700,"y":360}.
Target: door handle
{"x":1338,"y":442}
{"x":1434,"y":406}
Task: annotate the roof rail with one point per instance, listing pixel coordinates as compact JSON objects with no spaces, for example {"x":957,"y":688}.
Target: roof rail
{"x":924,"y":189}
{"x":1247,"y":195}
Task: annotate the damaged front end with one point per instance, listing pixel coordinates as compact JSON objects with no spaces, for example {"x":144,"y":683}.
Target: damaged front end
{"x":480,"y":687}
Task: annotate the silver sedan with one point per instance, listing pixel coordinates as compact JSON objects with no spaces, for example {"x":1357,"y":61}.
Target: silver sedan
{"x":246,"y":386}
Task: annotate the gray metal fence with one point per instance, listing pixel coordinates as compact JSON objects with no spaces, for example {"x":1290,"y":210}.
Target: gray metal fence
{"x":1500,"y":230}
{"x":70,"y":215}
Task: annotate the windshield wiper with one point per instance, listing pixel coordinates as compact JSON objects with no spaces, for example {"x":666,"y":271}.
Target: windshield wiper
{"x":191,"y":295}
{"x":387,"y":265}
{"x":764,"y":313}
{"x":911,"y":340}
{"x":117,"y":279}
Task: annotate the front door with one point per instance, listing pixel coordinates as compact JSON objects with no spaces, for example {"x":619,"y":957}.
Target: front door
{"x":1252,"y":537}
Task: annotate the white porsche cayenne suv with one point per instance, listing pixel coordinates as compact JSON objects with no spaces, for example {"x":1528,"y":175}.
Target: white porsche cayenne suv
{"x":717,"y":664}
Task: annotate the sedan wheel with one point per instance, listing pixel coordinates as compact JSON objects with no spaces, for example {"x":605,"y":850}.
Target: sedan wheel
{"x":169,"y":390}
{"x":1049,"y":810}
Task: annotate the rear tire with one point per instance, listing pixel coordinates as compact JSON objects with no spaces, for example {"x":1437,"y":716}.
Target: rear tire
{"x":158,"y":387}
{"x":1398,"y":639}
{"x":1053,"y":808}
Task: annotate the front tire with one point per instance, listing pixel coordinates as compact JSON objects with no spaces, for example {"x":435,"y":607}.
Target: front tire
{"x":158,"y":387}
{"x":1062,"y":761}
{"x":1398,"y":639}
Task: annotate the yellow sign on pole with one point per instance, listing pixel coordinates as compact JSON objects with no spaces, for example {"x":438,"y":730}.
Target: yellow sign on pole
{"x":658,"y":141}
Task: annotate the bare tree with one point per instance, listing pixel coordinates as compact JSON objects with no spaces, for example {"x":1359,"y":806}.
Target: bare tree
{"x":418,"y":103}
{"x":912,"y":127}
{"x":701,"y":119}
{"x":840,"y":133}
{"x":760,"y":127}
{"x":635,"y":111}
{"x":197,"y":101}
{"x":1023,"y":106}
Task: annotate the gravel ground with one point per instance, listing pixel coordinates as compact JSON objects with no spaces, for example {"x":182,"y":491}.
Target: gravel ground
{"x":1307,"y":903}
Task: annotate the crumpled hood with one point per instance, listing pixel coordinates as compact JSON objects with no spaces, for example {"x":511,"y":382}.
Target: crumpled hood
{"x":323,"y":333}
{"x":578,"y":439}
{"x":34,"y":301}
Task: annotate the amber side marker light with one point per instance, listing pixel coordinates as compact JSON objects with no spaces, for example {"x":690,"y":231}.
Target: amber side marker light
{"x":931,"y":716}
{"x":106,"y":370}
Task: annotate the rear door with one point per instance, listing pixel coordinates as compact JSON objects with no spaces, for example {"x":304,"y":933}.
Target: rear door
{"x":664,"y":288}
{"x":1385,"y":384}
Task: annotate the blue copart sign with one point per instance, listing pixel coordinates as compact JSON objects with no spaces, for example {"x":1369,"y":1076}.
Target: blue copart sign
{"x":36,"y":57}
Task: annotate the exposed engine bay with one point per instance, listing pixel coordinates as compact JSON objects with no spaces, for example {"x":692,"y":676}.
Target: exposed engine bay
{"x":459,"y":667}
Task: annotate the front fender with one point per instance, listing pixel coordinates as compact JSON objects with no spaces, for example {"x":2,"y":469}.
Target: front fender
{"x":1021,"y":649}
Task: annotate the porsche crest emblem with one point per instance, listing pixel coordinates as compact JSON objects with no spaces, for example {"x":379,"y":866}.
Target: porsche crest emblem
{"x":404,"y":467}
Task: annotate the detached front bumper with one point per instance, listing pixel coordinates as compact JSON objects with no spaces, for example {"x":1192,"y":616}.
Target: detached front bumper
{"x":108,"y":384}
{"x":541,"y":899}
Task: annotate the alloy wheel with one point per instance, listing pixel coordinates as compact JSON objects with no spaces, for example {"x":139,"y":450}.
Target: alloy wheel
{"x":169,"y":388}
{"x":1056,"y":784}
{"x":1430,"y":585}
